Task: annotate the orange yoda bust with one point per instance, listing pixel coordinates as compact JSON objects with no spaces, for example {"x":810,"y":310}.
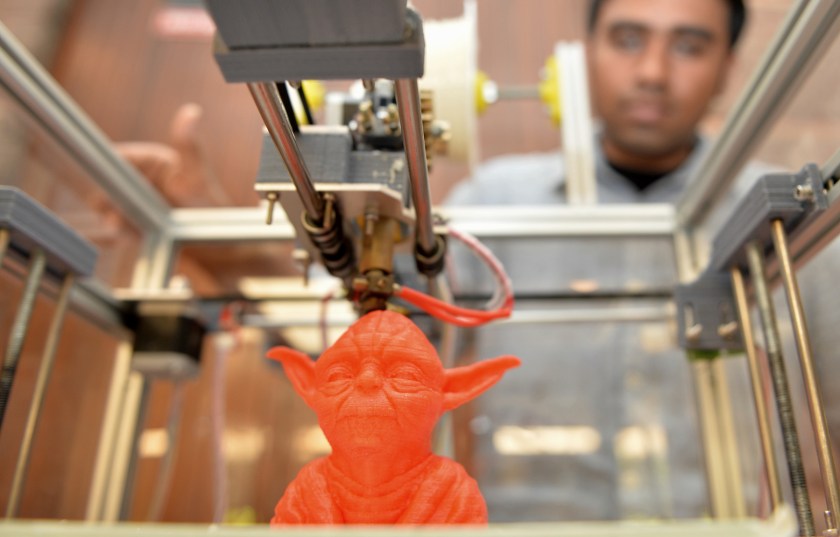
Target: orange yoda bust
{"x":378,"y":392}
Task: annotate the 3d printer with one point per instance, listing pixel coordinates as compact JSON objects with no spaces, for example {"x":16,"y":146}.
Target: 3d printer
{"x":353,"y":193}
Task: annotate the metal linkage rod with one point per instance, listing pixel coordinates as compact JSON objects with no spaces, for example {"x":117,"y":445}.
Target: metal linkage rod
{"x":408,"y":102}
{"x":44,"y":373}
{"x":510,"y":93}
{"x":762,"y":415}
{"x":4,"y":244}
{"x":276,"y":119}
{"x":773,"y":344}
{"x":20,"y":327}
{"x":812,"y":390}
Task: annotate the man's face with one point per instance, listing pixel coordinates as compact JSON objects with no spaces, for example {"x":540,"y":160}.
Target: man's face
{"x":655,"y":65}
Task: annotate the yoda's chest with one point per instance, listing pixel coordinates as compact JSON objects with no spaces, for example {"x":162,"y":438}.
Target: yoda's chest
{"x":384,"y":505}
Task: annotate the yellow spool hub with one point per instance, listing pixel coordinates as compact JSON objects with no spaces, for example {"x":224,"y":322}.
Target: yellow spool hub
{"x":550,"y":90}
{"x":315,"y":93}
{"x":481,"y":80}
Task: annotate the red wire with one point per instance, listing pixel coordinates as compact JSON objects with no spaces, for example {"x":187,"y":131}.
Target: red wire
{"x":482,"y":252}
{"x":464,"y":316}
{"x":454,"y":314}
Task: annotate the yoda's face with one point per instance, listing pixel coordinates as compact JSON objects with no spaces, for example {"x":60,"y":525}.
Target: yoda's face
{"x":381,"y":388}
{"x":378,"y":391}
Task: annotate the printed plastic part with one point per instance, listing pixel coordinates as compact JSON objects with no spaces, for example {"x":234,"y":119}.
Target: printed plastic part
{"x":378,"y":392}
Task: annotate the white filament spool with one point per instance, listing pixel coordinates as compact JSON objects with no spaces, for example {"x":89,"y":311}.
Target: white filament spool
{"x":450,"y":73}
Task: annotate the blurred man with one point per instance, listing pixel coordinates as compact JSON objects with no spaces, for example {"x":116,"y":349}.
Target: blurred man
{"x":606,"y":407}
{"x":655,"y":66}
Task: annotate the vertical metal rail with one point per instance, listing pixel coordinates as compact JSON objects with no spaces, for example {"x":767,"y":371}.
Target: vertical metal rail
{"x":700,"y":374}
{"x":784,"y":404}
{"x":716,"y":451}
{"x":107,"y":445}
{"x":717,"y":433}
{"x":277,"y":122}
{"x":158,"y":257}
{"x":408,"y":103}
{"x":167,"y":464}
{"x":124,"y":408}
{"x":737,"y":507}
{"x":19,"y":327}
{"x":765,"y":434}
{"x":812,"y":390}
{"x":118,"y":503}
{"x":44,"y":373}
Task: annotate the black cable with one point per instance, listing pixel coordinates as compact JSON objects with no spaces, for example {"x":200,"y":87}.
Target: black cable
{"x":287,"y":104}
{"x":306,"y":110}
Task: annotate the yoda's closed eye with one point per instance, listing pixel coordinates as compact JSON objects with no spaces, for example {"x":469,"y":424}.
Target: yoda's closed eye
{"x":378,"y":393}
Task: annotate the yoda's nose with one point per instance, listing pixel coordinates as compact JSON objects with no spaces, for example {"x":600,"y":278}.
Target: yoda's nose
{"x":369,"y":379}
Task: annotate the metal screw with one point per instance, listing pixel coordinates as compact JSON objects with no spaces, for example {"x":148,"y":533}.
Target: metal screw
{"x":804,"y":193}
{"x":329,"y":210}
{"x":302,"y":257}
{"x":370,"y":222}
{"x":728,"y":330}
{"x":831,"y":526}
{"x":364,"y":117}
{"x":692,"y":333}
{"x":272,"y":198}
{"x":396,"y":167}
{"x":360,"y":284}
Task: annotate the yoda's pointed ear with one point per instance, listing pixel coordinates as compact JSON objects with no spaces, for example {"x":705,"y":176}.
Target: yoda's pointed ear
{"x":299,"y":368}
{"x":463,"y":384}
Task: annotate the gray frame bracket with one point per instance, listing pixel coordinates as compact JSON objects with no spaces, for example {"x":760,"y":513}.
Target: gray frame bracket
{"x":369,"y":44}
{"x":33,"y":227}
{"x":706,"y":310}
{"x":793,"y":198}
{"x":706,"y":316}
